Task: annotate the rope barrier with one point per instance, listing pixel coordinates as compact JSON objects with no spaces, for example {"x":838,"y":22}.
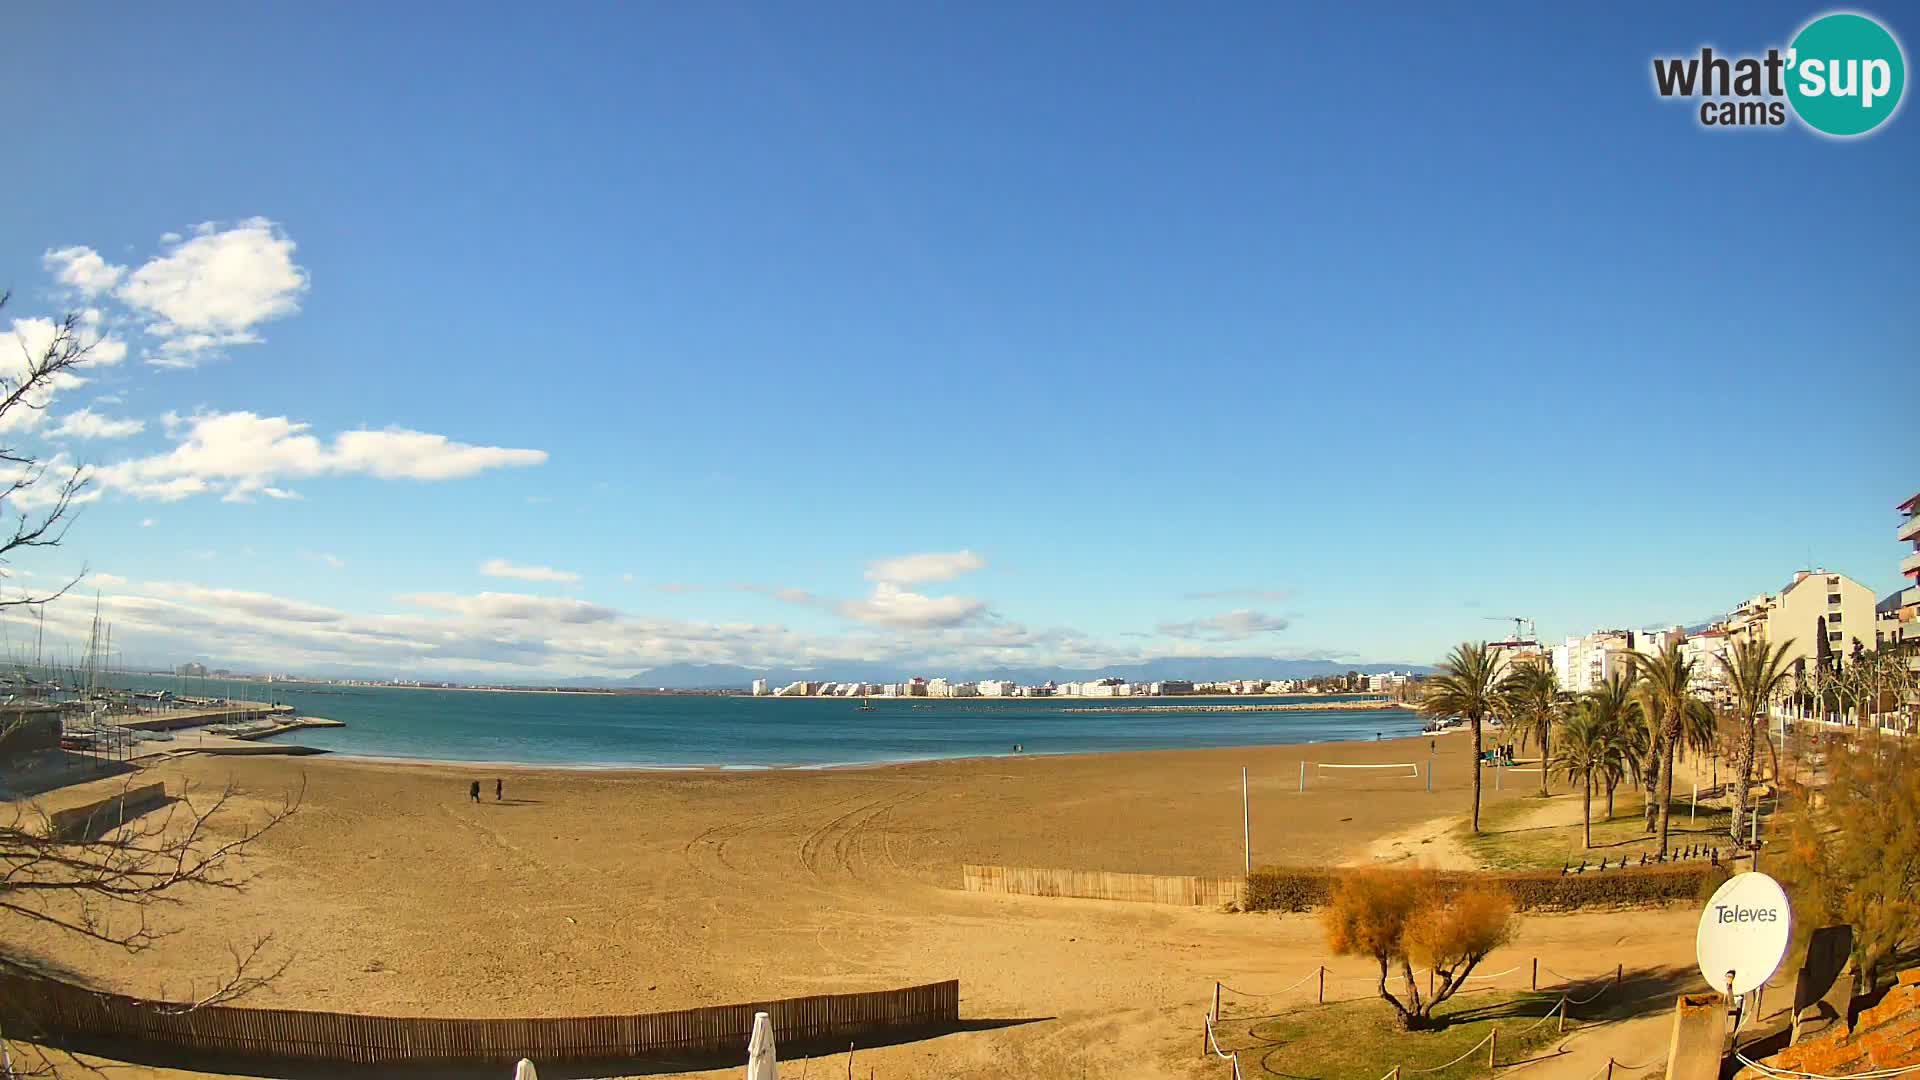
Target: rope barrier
{"x":1592,"y":997}
{"x":1470,"y":1052}
{"x":1276,"y":993}
{"x":1495,"y":975}
{"x":1871,"y":1075}
{"x":1571,"y":979}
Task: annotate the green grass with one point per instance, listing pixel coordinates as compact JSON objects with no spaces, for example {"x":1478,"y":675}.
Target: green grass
{"x":1363,"y":1040}
{"x":1505,"y":843}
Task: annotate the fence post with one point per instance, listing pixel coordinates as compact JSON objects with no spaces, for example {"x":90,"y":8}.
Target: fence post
{"x":1215,"y":1014}
{"x":1560,"y":1022}
{"x":1320,"y":997}
{"x":1303,"y":776}
{"x":1493,"y":1046}
{"x":1616,"y":975}
{"x":1206,"y":1038}
{"x":1609,"y":1069}
{"x":1536,"y":973}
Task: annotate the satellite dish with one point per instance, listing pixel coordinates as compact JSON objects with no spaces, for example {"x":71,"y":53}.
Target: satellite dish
{"x":1744,"y":933}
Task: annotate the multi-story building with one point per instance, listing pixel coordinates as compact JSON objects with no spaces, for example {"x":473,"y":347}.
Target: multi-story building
{"x":1815,"y":605}
{"x":1585,"y":663}
{"x":995,"y":688}
{"x":1707,"y":650}
{"x":1907,"y":613}
{"x":759,"y":688}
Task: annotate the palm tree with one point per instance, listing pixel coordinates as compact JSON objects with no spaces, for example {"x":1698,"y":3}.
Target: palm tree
{"x":1467,"y":684}
{"x":1614,"y":708}
{"x":1756,"y":673}
{"x":1584,"y":750}
{"x":1665,"y":690}
{"x":1531,"y":696}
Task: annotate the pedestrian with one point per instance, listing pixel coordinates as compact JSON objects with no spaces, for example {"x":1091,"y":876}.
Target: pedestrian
{"x":1433,"y":746}
{"x":474,"y":791}
{"x":499,"y":789}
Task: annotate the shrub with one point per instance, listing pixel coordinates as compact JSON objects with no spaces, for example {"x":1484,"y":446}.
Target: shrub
{"x":1401,"y":917}
{"x":1273,"y":888}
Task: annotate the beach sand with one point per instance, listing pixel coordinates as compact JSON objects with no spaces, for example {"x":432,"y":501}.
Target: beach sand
{"x":602,"y":892}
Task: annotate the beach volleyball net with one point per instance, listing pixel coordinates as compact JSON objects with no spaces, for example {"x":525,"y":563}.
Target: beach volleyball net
{"x":1343,"y":776}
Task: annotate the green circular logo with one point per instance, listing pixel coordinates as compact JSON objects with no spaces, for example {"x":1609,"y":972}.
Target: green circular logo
{"x":1845,"y":74}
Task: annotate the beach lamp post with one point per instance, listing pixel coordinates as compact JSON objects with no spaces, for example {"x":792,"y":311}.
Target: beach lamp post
{"x":760,"y":1056}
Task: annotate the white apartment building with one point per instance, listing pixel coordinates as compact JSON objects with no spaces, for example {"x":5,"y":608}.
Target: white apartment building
{"x":1585,"y":663}
{"x":995,"y":688}
{"x":759,"y":688}
{"x":1708,"y":650}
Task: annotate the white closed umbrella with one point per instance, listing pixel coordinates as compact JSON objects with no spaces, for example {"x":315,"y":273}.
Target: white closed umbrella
{"x":525,"y":1071}
{"x":760,"y":1059}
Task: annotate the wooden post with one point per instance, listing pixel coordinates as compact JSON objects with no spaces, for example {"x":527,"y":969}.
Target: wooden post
{"x":1609,"y":1069}
{"x":1560,"y":1022}
{"x":1215,"y":1014}
{"x":1206,"y":1038}
{"x":1246,"y":826}
{"x":1536,"y":973}
{"x":1303,"y":777}
{"x":1493,"y":1046}
{"x":1320,"y":997}
{"x":1617,"y":970}
{"x":1694,"y":807}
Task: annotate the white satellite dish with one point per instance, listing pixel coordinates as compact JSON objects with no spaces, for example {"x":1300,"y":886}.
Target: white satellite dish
{"x":1744,"y":933}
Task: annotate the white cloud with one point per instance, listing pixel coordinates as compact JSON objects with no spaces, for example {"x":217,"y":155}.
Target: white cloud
{"x":32,"y":338}
{"x":82,"y":268}
{"x":627,"y":578}
{"x":333,"y":561}
{"x":891,"y":605}
{"x":146,"y":523}
{"x":87,"y":424}
{"x":105,"y":580}
{"x":212,"y":290}
{"x":512,"y":606}
{"x":1231,"y":626}
{"x":1257,"y":595}
{"x":924,"y":567}
{"x":501,"y":568}
{"x":240,"y":454}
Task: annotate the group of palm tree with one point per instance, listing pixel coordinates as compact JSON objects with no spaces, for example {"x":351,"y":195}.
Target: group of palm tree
{"x":1631,"y":728}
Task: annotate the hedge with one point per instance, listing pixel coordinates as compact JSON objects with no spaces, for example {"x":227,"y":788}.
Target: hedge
{"x":1273,"y":888}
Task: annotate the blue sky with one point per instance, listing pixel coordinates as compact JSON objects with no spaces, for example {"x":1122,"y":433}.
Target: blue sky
{"x":1261,"y":332}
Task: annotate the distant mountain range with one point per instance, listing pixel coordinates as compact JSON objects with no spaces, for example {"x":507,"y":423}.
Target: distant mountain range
{"x":1197,"y":668}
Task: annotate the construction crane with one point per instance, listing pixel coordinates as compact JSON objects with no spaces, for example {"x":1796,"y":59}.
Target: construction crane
{"x":1522,"y":627}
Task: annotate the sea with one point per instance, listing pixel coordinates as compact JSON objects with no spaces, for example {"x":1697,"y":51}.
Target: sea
{"x":704,"y":732}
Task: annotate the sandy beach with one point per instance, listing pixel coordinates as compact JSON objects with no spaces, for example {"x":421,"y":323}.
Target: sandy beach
{"x":590,"y":892}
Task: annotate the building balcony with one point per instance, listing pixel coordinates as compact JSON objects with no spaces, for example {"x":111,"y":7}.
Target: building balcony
{"x":1910,"y":565}
{"x":1910,"y":528}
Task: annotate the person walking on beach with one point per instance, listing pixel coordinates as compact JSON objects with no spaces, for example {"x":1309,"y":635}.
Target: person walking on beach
{"x":499,"y":789}
{"x":474,"y":791}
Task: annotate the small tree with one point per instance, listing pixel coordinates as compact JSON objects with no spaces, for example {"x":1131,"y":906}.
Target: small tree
{"x":98,"y":888}
{"x":1408,"y":918}
{"x":1756,"y":674}
{"x":1853,"y":852}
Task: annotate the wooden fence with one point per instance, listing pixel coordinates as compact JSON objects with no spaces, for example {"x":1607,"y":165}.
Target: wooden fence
{"x":1102,"y":885}
{"x":95,"y":818}
{"x":54,"y":1010}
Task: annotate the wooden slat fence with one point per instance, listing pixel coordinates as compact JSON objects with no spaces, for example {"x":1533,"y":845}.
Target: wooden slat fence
{"x":51,"y":1009}
{"x":1103,"y":885}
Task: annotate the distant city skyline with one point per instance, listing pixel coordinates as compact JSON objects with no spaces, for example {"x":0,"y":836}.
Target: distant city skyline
{"x":782,"y":341}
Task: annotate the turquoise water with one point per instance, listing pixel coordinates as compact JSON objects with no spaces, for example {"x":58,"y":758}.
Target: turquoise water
{"x":606,"y":730}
